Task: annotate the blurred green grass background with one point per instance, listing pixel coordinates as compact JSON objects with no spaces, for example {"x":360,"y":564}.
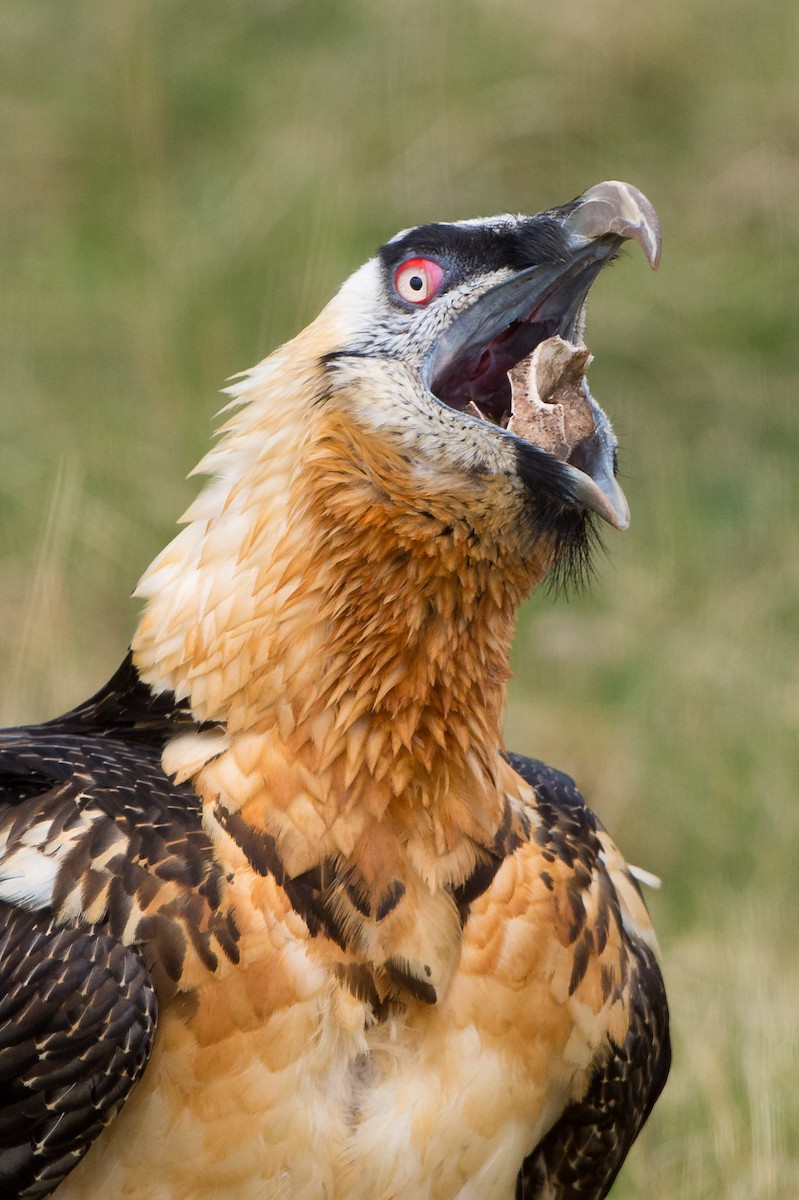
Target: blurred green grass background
{"x":184,"y":184}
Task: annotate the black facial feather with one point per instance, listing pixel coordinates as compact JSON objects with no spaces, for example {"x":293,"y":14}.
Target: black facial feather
{"x":467,"y":250}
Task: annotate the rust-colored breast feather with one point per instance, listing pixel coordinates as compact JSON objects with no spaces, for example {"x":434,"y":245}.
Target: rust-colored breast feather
{"x":299,"y":1053}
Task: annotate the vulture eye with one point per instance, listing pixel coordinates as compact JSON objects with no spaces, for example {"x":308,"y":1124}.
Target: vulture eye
{"x":417,"y":280}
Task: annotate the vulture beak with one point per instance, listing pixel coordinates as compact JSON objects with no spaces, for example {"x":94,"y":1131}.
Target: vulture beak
{"x":468,"y":367}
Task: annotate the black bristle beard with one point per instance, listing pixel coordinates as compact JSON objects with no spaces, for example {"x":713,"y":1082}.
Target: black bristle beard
{"x":577,"y":541}
{"x":552,"y":516}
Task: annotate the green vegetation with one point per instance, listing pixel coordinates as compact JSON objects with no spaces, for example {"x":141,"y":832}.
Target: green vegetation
{"x":184,"y":183}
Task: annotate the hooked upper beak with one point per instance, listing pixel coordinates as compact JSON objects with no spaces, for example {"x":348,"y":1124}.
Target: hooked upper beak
{"x":467,"y":368}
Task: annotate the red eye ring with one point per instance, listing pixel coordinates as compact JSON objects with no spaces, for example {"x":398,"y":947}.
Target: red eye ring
{"x":417,"y":280}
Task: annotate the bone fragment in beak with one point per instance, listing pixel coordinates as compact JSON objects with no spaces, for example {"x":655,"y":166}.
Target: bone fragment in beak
{"x":550,"y":403}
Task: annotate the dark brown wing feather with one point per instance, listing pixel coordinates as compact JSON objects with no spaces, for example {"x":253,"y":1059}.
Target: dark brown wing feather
{"x":78,"y":1007}
{"x":95,"y":775}
{"x":125,"y":707}
{"x":77,"y":1022}
{"x":584,"y":1151}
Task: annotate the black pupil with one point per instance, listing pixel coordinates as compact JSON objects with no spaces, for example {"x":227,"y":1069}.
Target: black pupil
{"x":416,"y":282}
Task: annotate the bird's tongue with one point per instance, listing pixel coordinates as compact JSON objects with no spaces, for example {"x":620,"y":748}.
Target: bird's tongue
{"x":550,"y":402}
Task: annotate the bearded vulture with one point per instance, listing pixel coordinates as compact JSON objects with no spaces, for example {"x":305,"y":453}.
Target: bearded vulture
{"x":280,"y":917}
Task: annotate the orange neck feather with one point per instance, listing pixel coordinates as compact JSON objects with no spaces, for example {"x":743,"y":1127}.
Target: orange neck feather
{"x":349,"y":628}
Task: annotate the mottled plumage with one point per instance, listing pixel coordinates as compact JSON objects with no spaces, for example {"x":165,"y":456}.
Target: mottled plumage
{"x":279,"y":916}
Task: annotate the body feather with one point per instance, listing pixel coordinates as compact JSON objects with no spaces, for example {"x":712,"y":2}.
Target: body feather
{"x":280,"y":917}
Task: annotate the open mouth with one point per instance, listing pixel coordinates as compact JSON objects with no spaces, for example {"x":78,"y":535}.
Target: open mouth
{"x":541,"y":397}
{"x":481,"y":385}
{"x":528,"y":380}
{"x":512,"y":360}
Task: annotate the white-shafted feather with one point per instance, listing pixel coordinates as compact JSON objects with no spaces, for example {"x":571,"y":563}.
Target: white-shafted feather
{"x":27,"y":877}
{"x":28,"y":873}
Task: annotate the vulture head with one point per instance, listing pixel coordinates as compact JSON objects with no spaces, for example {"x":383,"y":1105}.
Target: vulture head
{"x":429,"y":440}
{"x":477,"y":330}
